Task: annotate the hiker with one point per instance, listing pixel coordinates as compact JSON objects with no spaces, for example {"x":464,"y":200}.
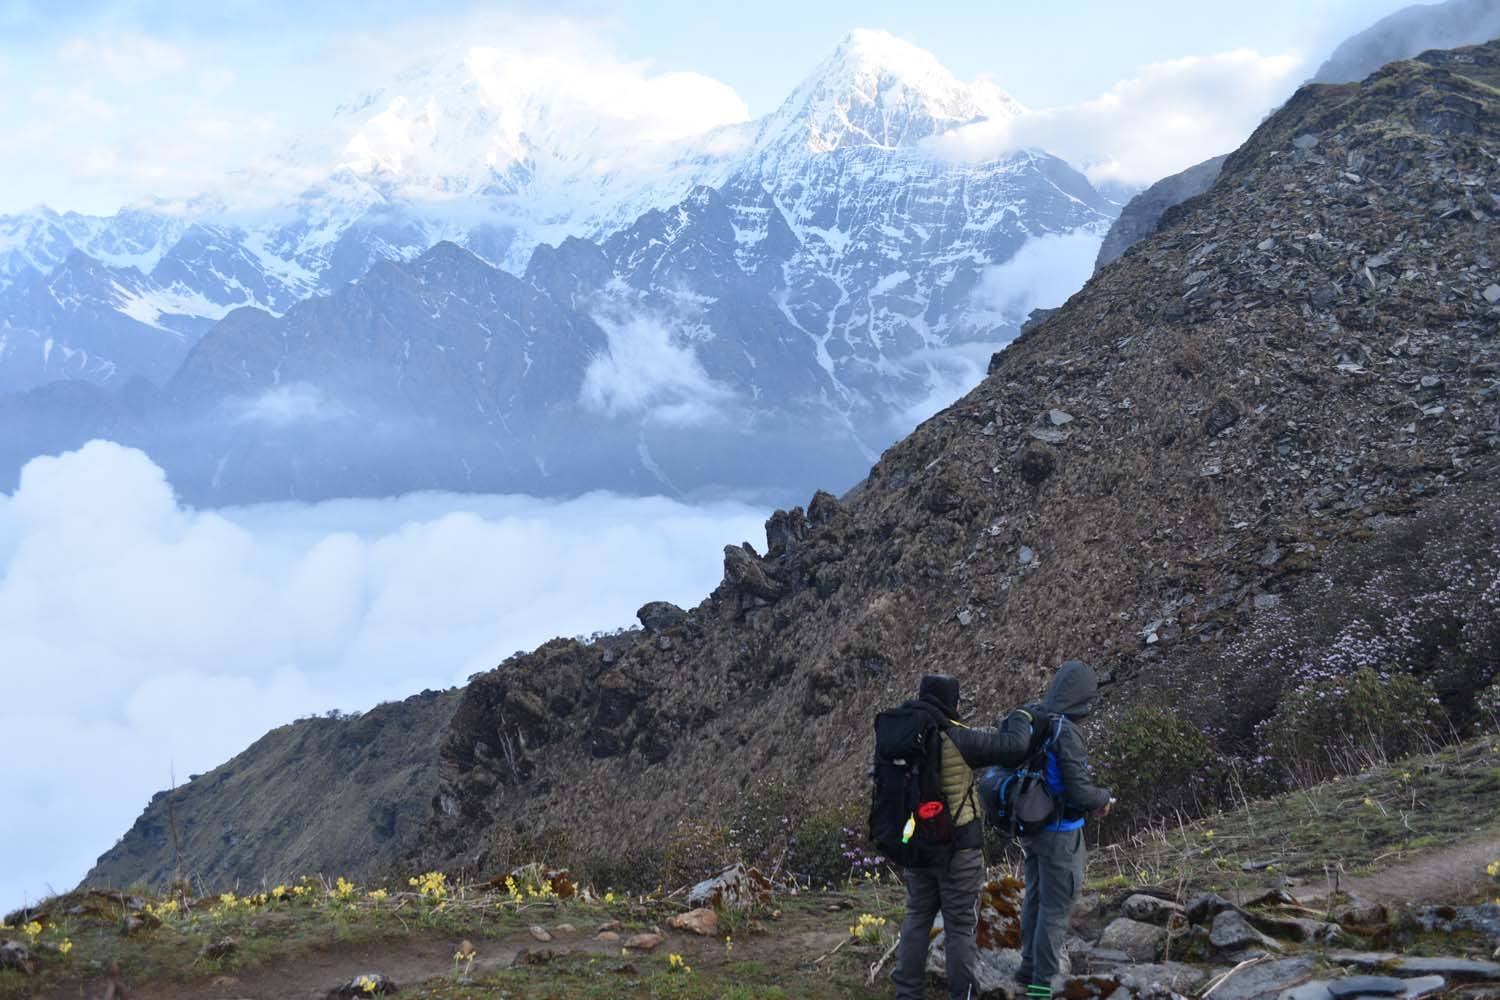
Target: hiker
{"x":1056,"y":855}
{"x":951,"y":882}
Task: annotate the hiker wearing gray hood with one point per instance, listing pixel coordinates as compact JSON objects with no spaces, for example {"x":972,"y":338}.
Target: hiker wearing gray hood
{"x":1056,"y":857}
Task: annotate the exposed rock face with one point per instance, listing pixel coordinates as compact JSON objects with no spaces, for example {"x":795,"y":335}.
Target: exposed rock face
{"x":1311,"y":291}
{"x":1140,"y":215}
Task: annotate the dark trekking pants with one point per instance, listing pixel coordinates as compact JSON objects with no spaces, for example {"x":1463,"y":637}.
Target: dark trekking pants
{"x":1055,"y":863}
{"x":953,"y":889}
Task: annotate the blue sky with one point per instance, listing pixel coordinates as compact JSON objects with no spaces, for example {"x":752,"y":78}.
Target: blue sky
{"x":111,"y":101}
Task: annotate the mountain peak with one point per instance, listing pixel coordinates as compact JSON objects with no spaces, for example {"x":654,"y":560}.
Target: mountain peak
{"x":875,"y":89}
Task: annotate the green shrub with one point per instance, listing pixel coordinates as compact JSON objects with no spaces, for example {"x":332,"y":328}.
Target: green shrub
{"x":1155,"y":762}
{"x":1345,"y":724}
{"x":821,"y":850}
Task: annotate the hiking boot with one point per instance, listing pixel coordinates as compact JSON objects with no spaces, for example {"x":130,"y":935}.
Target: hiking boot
{"x":1038,"y":991}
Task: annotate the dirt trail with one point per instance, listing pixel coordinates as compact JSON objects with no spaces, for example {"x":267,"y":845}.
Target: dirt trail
{"x":413,"y":959}
{"x":1447,"y":875}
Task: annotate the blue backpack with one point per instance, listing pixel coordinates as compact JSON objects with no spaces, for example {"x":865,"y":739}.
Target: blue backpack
{"x":1023,"y":801}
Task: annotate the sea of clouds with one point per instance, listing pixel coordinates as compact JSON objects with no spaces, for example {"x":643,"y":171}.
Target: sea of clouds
{"x":141,"y":640}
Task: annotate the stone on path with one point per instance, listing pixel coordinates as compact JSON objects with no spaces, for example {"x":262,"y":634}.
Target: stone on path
{"x":540,"y":933}
{"x":1141,"y":941}
{"x":702,"y":921}
{"x":1231,"y":931}
{"x":644,"y":942}
{"x":1150,"y":909}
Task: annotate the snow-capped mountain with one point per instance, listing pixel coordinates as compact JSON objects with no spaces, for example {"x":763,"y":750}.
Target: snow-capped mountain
{"x":810,"y":272}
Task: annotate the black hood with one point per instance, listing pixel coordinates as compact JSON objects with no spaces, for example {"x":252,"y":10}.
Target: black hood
{"x":942,"y":691}
{"x":1073,"y":690}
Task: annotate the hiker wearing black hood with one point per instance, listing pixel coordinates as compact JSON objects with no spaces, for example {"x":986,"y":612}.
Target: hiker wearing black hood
{"x":952,"y":887}
{"x":1056,"y":857}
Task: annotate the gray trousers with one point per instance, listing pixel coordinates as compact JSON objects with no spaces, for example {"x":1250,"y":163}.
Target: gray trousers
{"x":954,"y":889}
{"x":1055,"y":864}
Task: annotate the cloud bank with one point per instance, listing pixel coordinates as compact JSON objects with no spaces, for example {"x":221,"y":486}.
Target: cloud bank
{"x":646,"y":372}
{"x":140,"y":638}
{"x":1166,"y":118}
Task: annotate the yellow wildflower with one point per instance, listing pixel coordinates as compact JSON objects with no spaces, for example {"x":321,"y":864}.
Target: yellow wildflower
{"x":433,"y":885}
{"x":367,"y":984}
{"x":376,"y":895}
{"x":66,"y":946}
{"x":228,"y":900}
{"x":675,"y":963}
{"x":867,"y":929}
{"x":609,"y":897}
{"x":32,"y":930}
{"x":343,"y":889}
{"x":278,"y":892}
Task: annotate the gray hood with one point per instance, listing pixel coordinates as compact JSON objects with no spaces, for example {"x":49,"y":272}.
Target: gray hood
{"x":1073,"y":690}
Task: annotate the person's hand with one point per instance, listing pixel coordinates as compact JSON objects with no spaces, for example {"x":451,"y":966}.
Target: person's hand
{"x":1103,"y":810}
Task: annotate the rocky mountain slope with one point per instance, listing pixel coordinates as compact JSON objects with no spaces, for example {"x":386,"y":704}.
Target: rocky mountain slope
{"x":1402,"y":35}
{"x":1300,"y":366}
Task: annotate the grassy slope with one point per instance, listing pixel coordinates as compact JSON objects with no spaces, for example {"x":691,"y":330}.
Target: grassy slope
{"x":1419,"y":808}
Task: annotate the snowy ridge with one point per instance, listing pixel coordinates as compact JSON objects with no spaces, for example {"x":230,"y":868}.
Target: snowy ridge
{"x":863,"y":248}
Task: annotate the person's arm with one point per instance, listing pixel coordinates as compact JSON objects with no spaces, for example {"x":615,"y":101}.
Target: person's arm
{"x":1073,"y":763}
{"x":1006,"y":745}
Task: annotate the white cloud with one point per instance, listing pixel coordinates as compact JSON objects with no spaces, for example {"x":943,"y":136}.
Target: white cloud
{"x":1041,"y":275}
{"x":647,"y":372}
{"x":138,"y":637}
{"x":131,"y":59}
{"x":285,"y":405}
{"x":1168,"y":117}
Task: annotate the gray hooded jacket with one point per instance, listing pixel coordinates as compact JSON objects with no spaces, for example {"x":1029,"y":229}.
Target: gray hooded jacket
{"x":1072,"y":696}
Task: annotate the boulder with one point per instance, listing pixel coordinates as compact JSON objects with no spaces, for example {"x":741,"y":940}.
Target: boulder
{"x":1150,"y":909}
{"x":15,"y":955}
{"x":702,"y":921}
{"x":1293,"y":928}
{"x":1222,"y":415}
{"x":1203,"y":908}
{"x":1231,"y":932}
{"x":1175,"y":976}
{"x":1037,"y":463}
{"x":540,"y":933}
{"x":1141,"y":941}
{"x":734,"y":888}
{"x":1357,"y":912}
{"x":608,"y":937}
{"x":658,"y":616}
{"x":745,"y":574}
{"x":1482,"y":920}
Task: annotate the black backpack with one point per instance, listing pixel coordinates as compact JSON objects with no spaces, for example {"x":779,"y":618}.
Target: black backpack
{"x":1021,"y":802}
{"x":910,"y":821}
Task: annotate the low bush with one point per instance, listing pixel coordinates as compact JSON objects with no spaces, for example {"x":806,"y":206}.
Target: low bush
{"x":1155,"y":762}
{"x":1345,"y":724}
